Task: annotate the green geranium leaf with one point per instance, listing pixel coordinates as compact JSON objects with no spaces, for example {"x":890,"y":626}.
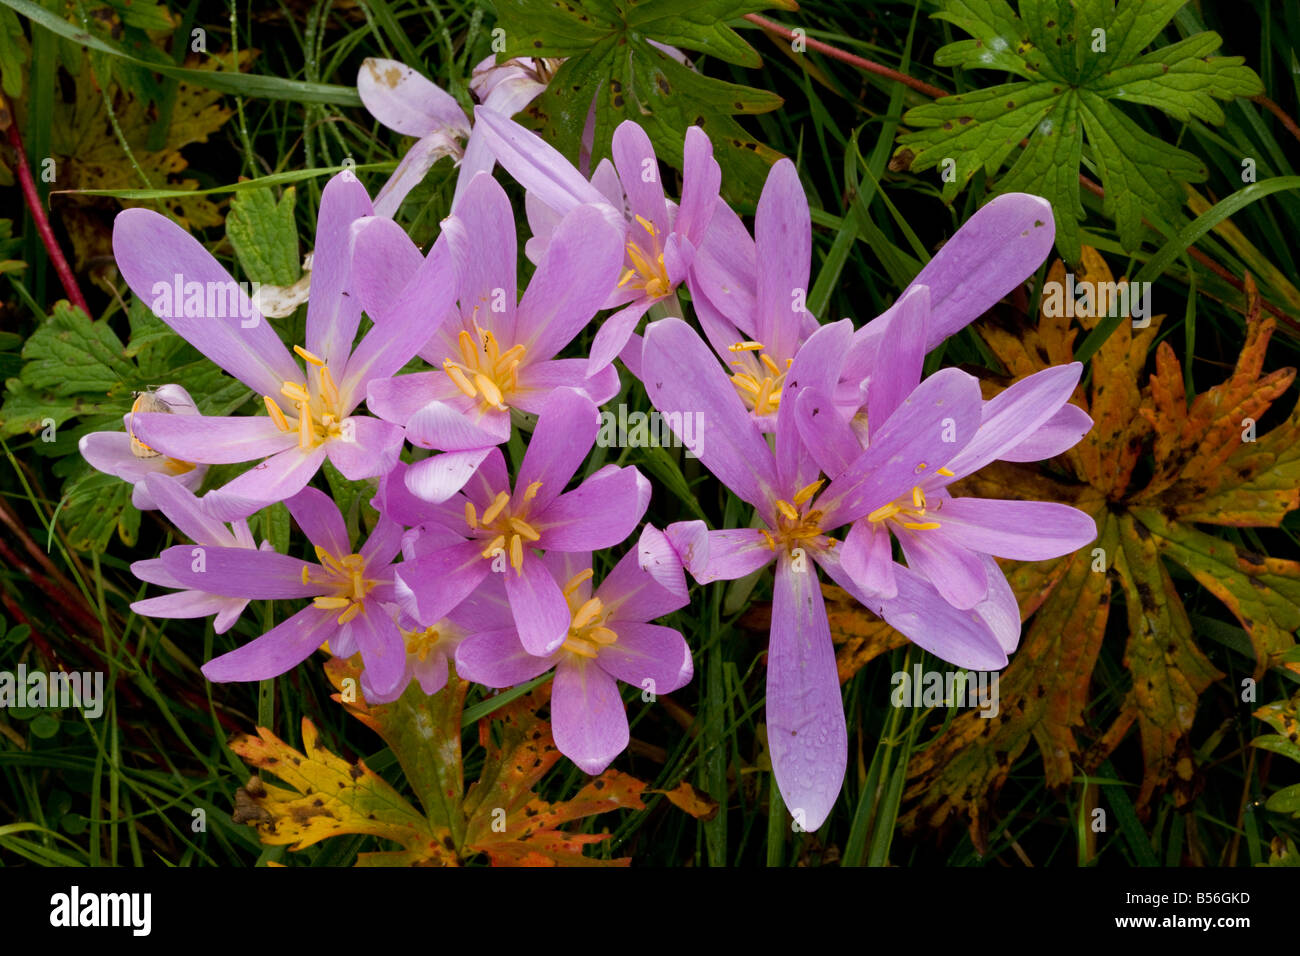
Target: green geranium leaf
{"x":611,"y":56}
{"x":1077,"y":60}
{"x":264,"y":236}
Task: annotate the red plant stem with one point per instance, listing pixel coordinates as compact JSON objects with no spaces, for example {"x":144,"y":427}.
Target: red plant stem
{"x":935,"y":92}
{"x":42,"y":221}
{"x":869,"y":65}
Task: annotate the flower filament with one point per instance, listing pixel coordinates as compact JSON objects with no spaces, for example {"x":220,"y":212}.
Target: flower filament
{"x":506,"y":529}
{"x":319,"y":419}
{"x":759,"y":382}
{"x":587,"y":630}
{"x":346,"y":579}
{"x":487,"y":373}
{"x":648,"y":272}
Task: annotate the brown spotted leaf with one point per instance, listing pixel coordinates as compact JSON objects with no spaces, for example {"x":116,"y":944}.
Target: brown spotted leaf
{"x":1209,"y":465}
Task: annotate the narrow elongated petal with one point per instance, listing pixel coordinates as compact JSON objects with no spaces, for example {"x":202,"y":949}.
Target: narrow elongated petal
{"x":273,"y":480}
{"x":1058,"y":434}
{"x":482,"y":235}
{"x":238,"y":572}
{"x":537,"y":381}
{"x":587,"y":715}
{"x":614,"y":333}
{"x":565,"y":432}
{"x":805,"y":715}
{"x":917,"y":611}
{"x":932,"y":425}
{"x":155,"y":256}
{"x":725,"y":269}
{"x":396,"y":501}
{"x":1016,"y":413}
{"x":211,"y":439}
{"x":719,"y":555}
{"x":701,"y":179}
{"x":439,"y":581}
{"x":383,"y":544}
{"x":318,"y":516}
{"x":333,"y":312}
{"x":816,"y":365}
{"x":184,"y":604}
{"x":599,"y":513}
{"x":956,"y":572}
{"x":868,"y":558}
{"x":278,"y":650}
{"x":412,"y":168}
{"x":369,"y":447}
{"x":828,"y":437}
{"x":1021,"y":530}
{"x":183,"y":510}
{"x":630,"y":592}
{"x":534,"y":163}
{"x":396,"y":399}
{"x":497,"y":659}
{"x":783,"y":239}
{"x":151,"y":571}
{"x":999,"y":609}
{"x":649,"y":656}
{"x":580,"y":267}
{"x":541,"y":613}
{"x":405,"y":101}
{"x":382,"y":649}
{"x":682,"y":376}
{"x":634,"y":156}
{"x":902,"y":354}
{"x":439,"y":425}
{"x":437,"y":478}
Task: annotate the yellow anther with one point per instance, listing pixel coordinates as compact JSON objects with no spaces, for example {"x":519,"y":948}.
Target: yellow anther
{"x":498,"y":505}
{"x":306,"y":434}
{"x":350,"y":613}
{"x":884,"y":512}
{"x":767,"y":361}
{"x":771,"y":542}
{"x":921,"y":466}
{"x":807,"y":491}
{"x":491,"y":393}
{"x":627,"y":277}
{"x":306,"y":574}
{"x":577,"y":645}
{"x":531,"y":491}
{"x":588,"y":613}
{"x":493,"y":549}
{"x":329,"y":391}
{"x":331,"y":603}
{"x":747,"y":346}
{"x":647,"y":225}
{"x":517,"y":554}
{"x":918,"y":497}
{"x":602,"y":635}
{"x":277,"y":416}
{"x":921,"y":525}
{"x":295,"y":392}
{"x":458,"y":378}
{"x":946,"y":473}
{"x":468,"y":350}
{"x":309,"y":356}
{"x":525,"y":529}
{"x":471,"y":517}
{"x":787,"y":509}
{"x":575,"y":582}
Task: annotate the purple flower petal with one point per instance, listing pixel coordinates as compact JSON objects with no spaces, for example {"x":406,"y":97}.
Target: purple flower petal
{"x":817,"y":364}
{"x":541,"y":613}
{"x":614,"y":333}
{"x":630,"y":592}
{"x":648,"y":656}
{"x":1020,"y":530}
{"x":412,"y":169}
{"x":397,"y":399}
{"x":638,"y":172}
{"x":957,"y":573}
{"x":783,"y":240}
{"x":273,"y":480}
{"x":318,"y":517}
{"x":829,"y":438}
{"x":898,"y":365}
{"x":868,"y":558}
{"x":184,"y":510}
{"x":537,"y":381}
{"x":333,"y":313}
{"x":211,"y":439}
{"x":439,"y":581}
{"x":701,"y":179}
{"x":682,"y":377}
{"x":439,"y":425}
{"x":405,"y":101}
{"x":719,"y":555}
{"x":1058,"y":434}
{"x":497,"y":659}
{"x":185,"y":604}
{"x":535,"y":164}
{"x":278,"y":650}
{"x":805,"y":714}
{"x":369,"y":447}
{"x":587,"y":716}
{"x":238,"y":572}
{"x":565,"y":432}
{"x":383,"y":651}
{"x":599,"y":513}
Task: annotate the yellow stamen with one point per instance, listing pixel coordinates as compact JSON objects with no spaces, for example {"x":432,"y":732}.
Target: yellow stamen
{"x":331,"y":603}
{"x":329,"y":391}
{"x":517,"y":554}
{"x":787,"y":509}
{"x":771,"y":542}
{"x":747,"y":346}
{"x":946,"y":473}
{"x":350,"y":613}
{"x":577,"y":645}
{"x":767,"y":361}
{"x":576,"y":581}
{"x":489,"y":389}
{"x":306,"y":434}
{"x":589,"y":611}
{"x":495,"y":547}
{"x":918,"y":497}
{"x":806,"y":492}
{"x":525,"y":529}
{"x":471,"y":517}
{"x":277,"y":415}
{"x":498,"y":505}
{"x":468,"y":350}
{"x":309,"y":356}
{"x":458,"y":378}
{"x":883,"y":512}
{"x":921,"y":525}
{"x":531,"y":491}
{"x":602,"y":635}
{"x":295,"y":392}
{"x":647,"y":225}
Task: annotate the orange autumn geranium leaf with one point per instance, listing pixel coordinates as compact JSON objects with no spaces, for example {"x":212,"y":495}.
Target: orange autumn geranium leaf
{"x":1208,"y":467}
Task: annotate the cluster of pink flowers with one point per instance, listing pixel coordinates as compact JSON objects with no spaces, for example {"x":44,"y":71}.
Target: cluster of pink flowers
{"x":820,"y":426}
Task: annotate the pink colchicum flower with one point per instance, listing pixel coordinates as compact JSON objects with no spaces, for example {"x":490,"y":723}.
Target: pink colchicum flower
{"x":124,"y":455}
{"x":429,"y":651}
{"x":494,"y":353}
{"x":927,"y":430}
{"x":609,"y":639}
{"x":353,"y":593}
{"x":309,"y":414}
{"x":505,"y":527}
{"x":184,"y":511}
{"x":660,"y":238}
{"x":407,"y":102}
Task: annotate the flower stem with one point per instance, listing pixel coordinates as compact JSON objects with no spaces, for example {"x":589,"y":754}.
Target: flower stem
{"x":10,"y":125}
